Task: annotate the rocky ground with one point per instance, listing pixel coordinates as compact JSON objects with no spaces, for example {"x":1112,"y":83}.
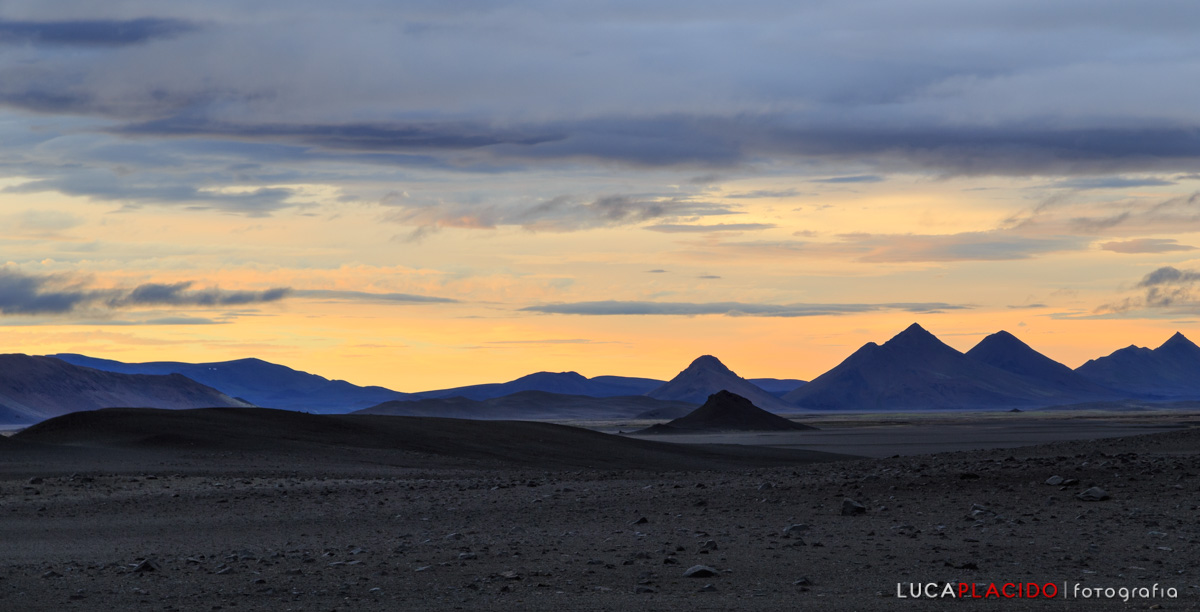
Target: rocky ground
{"x":247,"y":531}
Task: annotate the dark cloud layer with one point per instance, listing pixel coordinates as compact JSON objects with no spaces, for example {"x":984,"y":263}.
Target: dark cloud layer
{"x":92,"y":33}
{"x":733,"y":309}
{"x":27,"y":294}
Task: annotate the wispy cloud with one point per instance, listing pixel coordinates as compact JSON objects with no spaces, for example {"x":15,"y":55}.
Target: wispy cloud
{"x":1146,"y":245}
{"x":557,"y":214}
{"x":27,"y":294}
{"x":366,"y":296}
{"x":732,"y":309}
{"x":674,"y":228}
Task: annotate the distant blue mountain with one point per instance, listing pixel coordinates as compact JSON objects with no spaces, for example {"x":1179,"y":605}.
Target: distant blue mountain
{"x":256,"y":381}
{"x":777,"y":386}
{"x":1171,"y":371}
{"x":563,"y":383}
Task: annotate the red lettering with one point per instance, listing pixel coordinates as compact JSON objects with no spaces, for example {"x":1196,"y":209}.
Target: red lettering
{"x":1004,"y":590}
{"x":1046,"y":590}
{"x":991,"y":591}
{"x":1032,"y":590}
{"x":962,"y":589}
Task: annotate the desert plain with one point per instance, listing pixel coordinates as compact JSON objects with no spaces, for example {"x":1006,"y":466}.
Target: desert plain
{"x":266,"y":510}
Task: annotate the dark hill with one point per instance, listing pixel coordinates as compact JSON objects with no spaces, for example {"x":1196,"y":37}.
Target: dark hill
{"x":256,"y":381}
{"x":37,"y":388}
{"x":915,"y":370}
{"x":725,"y":411}
{"x":419,"y":441}
{"x":565,"y":383}
{"x":1005,"y":351}
{"x":1171,"y":371}
{"x":529,"y":405}
{"x":706,"y":376}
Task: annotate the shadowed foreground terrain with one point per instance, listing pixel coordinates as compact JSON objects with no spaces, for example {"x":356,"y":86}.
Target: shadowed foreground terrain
{"x":261,"y":510}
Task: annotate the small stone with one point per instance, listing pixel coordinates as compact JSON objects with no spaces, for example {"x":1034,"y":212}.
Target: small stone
{"x":467,"y":556}
{"x":851,"y":507}
{"x":1055,"y":480}
{"x":1093,"y":494}
{"x":700,"y":571}
{"x":645,"y":589}
{"x":766,"y":486}
{"x":708,"y":588}
{"x":803,"y":581}
{"x":796,"y":529}
{"x":640,"y":521}
{"x":708,"y":545}
{"x":52,"y":574}
{"x":36,"y":480}
{"x":145,"y":566}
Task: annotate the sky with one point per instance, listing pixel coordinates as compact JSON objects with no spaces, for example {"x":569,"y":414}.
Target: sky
{"x":428,"y":194}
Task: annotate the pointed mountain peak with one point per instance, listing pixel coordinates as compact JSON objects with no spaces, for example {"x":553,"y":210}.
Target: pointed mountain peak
{"x":915,"y":337}
{"x":1000,"y":340}
{"x":708,"y":362}
{"x":1178,"y":341}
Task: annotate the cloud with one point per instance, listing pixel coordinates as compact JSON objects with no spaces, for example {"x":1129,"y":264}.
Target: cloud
{"x":733,"y":309}
{"x":995,"y":245}
{"x":1165,"y":289}
{"x":26,"y":294}
{"x":364,"y":296}
{"x":181,"y":294}
{"x":1168,"y":275}
{"x":558,"y":214}
{"x":862,"y":178}
{"x":92,"y":33}
{"x":672,"y":228}
{"x":105,"y":186}
{"x":765,"y":193}
{"x":1146,"y":245}
{"x":1112,"y":182}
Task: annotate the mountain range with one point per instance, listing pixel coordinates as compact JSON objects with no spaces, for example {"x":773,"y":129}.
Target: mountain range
{"x":916,"y":370}
{"x":913,"y":370}
{"x":37,"y":388}
{"x":258,"y":382}
{"x":1171,"y":371}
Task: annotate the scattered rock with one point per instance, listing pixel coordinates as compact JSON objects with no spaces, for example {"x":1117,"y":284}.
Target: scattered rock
{"x":640,"y":521}
{"x":1055,"y":480}
{"x":708,"y":588}
{"x":1093,"y":494}
{"x":52,"y":574}
{"x":145,"y":566}
{"x":851,"y":507}
{"x":796,"y":529}
{"x":803,"y":581}
{"x":708,"y":545}
{"x":700,"y":571}
{"x":36,"y":480}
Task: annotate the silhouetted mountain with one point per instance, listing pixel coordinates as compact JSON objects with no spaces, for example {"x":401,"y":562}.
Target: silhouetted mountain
{"x":707,"y":375}
{"x":529,"y":405}
{"x":257,"y":381}
{"x":777,"y":386}
{"x":725,"y":411}
{"x":915,"y":370}
{"x":37,"y":388}
{"x":566,"y":383}
{"x":1005,"y":351}
{"x":1171,"y":371}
